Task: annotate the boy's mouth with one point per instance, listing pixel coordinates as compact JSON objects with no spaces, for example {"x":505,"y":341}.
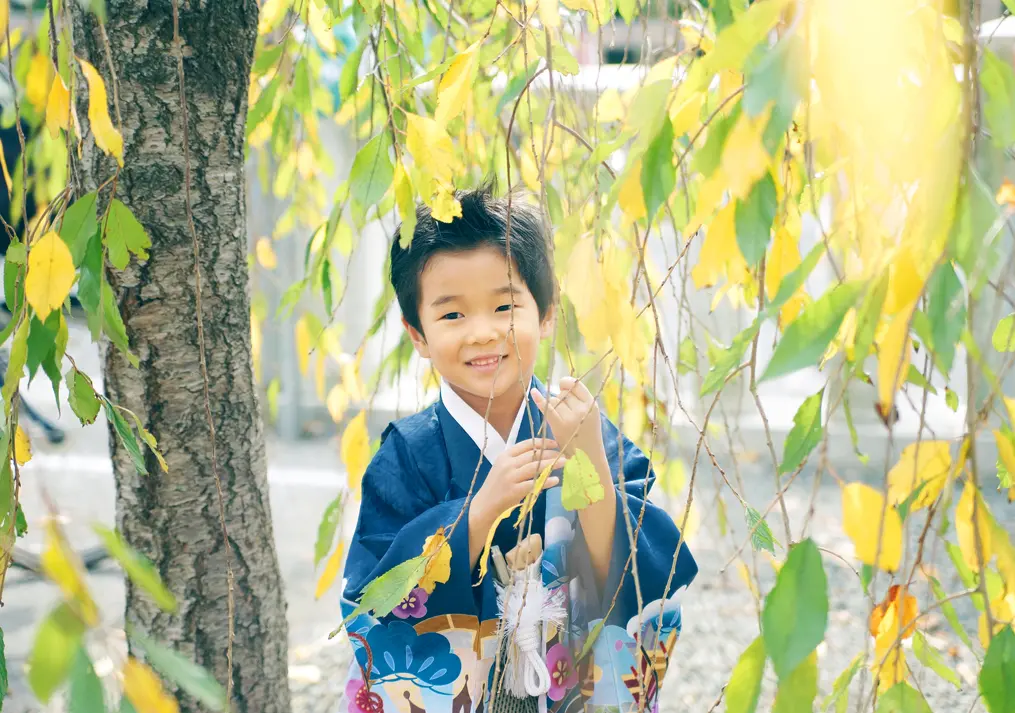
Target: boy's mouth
{"x":487,"y":362}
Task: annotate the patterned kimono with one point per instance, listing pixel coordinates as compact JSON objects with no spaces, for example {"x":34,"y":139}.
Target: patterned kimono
{"x":436,"y":652}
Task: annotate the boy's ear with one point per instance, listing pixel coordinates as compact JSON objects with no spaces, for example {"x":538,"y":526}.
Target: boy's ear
{"x":546,"y":327}
{"x":418,"y":340}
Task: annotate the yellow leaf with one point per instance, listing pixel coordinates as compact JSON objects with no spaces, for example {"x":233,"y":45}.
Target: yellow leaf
{"x":64,"y":569}
{"x":320,"y":383}
{"x":744,"y":159}
{"x":330,"y":571}
{"x":37,"y":81}
{"x":631,"y":199}
{"x":431,"y":147}
{"x":861,"y":519}
{"x":356,"y":449}
{"x":265,"y":254}
{"x":1006,"y":193}
{"x":405,"y":201}
{"x":304,"y":343}
{"x":320,"y":22}
{"x":438,"y":566}
{"x":22,"y":447}
{"x":50,"y":275}
{"x":893,"y":359}
{"x":1006,"y":450}
{"x":530,"y":499}
{"x":927,"y":462}
{"x":351,"y":381}
{"x":967,"y":532}
{"x":549,"y":13}
{"x":719,"y":254}
{"x":107,"y":137}
{"x":5,"y":16}
{"x":272,"y":12}
{"x":1002,"y":607}
{"x":144,"y":689}
{"x":337,"y":402}
{"x":1000,"y":541}
{"x":485,"y":557}
{"x":687,"y":115}
{"x":745,"y":576}
{"x":898,"y":612}
{"x":783,"y":258}
{"x":894,"y":669}
{"x":609,"y":106}
{"x":445,"y":207}
{"x":456,"y":85}
{"x":57,"y":107}
{"x":1009,"y":404}
{"x":709,"y":196}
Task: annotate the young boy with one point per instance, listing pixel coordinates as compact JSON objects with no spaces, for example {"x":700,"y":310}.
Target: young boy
{"x":476,"y":303}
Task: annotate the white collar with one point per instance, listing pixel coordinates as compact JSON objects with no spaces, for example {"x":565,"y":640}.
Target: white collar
{"x":476,"y":426}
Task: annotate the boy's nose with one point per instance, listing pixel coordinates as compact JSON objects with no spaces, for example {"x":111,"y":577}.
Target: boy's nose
{"x":486,"y":331}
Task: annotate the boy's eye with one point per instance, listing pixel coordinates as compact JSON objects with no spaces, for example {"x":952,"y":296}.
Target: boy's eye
{"x":452,"y":315}
{"x":505,"y":308}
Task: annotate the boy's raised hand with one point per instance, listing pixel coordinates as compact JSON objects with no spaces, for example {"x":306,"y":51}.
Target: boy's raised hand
{"x":573,"y":416}
{"x":512,"y":477}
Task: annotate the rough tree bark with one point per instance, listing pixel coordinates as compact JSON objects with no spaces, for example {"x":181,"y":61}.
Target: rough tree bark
{"x":173,"y":518}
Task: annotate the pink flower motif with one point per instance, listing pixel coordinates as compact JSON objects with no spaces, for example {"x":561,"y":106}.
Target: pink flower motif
{"x":563,"y":674}
{"x":414,"y":605}
{"x":362,"y":700}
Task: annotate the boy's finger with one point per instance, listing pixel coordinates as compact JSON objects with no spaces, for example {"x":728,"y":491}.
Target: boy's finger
{"x":529,"y":471}
{"x":533,"y":444}
{"x":552,"y":482}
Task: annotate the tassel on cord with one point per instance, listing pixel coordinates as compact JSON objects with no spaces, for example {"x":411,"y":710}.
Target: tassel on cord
{"x":526,"y":606}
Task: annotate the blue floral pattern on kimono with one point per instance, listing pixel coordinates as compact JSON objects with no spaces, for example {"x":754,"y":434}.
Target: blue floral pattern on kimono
{"x":436,"y":652}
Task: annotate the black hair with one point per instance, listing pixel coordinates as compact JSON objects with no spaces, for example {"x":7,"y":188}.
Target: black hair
{"x":483,"y":223}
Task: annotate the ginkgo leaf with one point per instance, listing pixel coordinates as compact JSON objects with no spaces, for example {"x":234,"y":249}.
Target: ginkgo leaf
{"x":356,"y":450}
{"x":265,"y":254}
{"x":455,"y":87}
{"x":57,"y":107}
{"x":50,"y":275}
{"x":107,"y":137}
{"x":22,"y":446}
{"x":580,"y":483}
{"x":437,"y":550}
{"x":144,"y":689}
{"x":862,"y":506}
{"x":926,"y":464}
{"x":330,"y":571}
{"x":968,"y":533}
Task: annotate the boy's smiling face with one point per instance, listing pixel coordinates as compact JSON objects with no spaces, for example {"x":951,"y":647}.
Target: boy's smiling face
{"x":465,"y":310}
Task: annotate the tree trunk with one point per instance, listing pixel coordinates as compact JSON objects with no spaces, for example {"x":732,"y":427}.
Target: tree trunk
{"x":173,"y":518}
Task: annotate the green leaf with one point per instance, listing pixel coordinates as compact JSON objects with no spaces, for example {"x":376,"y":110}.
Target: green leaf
{"x":41,"y":342}
{"x":777,"y":78}
{"x":744,"y":686}
{"x":997,"y":676}
{"x":113,"y":325}
{"x":80,"y":223}
{"x":947,"y":312}
{"x":267,"y":58}
{"x":754,"y":218}
{"x":914,"y":377}
{"x":762,"y":538}
{"x":965,"y":574}
{"x":563,"y":61}
{"x":326,"y":529}
{"x":90,"y":283}
{"x":796,"y":610}
{"x":797,"y":691}
{"x":902,"y":698}
{"x":56,"y":643}
{"x":839,"y":697}
{"x":727,"y":360}
{"x":86,"y":692}
{"x":998,"y":82}
{"x":807,"y":337}
{"x":16,"y":253}
{"x":265,"y":103}
{"x":854,"y":437}
{"x":658,"y":174}
{"x":124,"y":235}
{"x":514,"y":87}
{"x":387,"y":591}
{"x":141,"y":572}
{"x":372,"y":171}
{"x":126,"y":434}
{"x":976,"y":212}
{"x":866,"y":575}
{"x":628,"y":10}
{"x":349,"y":79}
{"x":721,"y":13}
{"x":794,"y":280}
{"x":929,"y":657}
{"x":4,"y":686}
{"x":20,"y":524}
{"x":687,"y":357}
{"x":16,"y":361}
{"x":951,"y":399}
{"x":193,"y":679}
{"x":867,"y":322}
{"x":83,"y":401}
{"x":580,"y":484}
{"x":1003,"y":338}
{"x":805,"y":434}
{"x":590,"y":641}
{"x":707,"y":159}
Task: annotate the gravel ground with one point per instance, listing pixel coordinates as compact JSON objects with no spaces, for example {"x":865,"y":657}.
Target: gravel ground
{"x":721,"y":614}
